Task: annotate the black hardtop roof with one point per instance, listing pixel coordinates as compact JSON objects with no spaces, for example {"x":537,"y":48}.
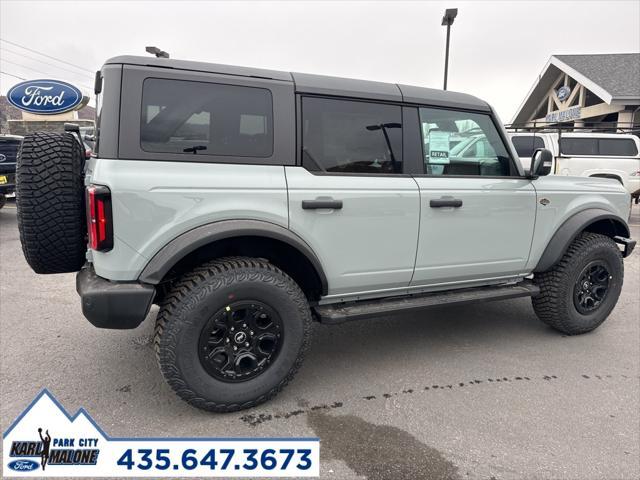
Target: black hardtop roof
{"x":321,"y":84}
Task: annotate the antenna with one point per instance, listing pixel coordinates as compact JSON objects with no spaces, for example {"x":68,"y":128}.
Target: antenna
{"x":157,"y":52}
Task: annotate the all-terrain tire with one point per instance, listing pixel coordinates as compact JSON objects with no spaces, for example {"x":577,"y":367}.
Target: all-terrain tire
{"x":3,"y":200}
{"x":189,"y":306}
{"x":50,"y":202}
{"x":556,"y":306}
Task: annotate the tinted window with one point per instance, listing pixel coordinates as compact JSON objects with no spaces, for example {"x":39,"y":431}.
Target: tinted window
{"x":525,"y":145}
{"x":617,"y":147}
{"x":351,"y":137}
{"x":579,"y":146}
{"x":462,"y":143}
{"x":206,"y":118}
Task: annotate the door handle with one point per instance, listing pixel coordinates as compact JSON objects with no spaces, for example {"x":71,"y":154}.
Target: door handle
{"x":316,"y":204}
{"x":445,"y":202}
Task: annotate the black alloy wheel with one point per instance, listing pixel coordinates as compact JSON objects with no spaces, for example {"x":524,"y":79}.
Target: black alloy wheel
{"x":240,"y":341}
{"x":591,"y":287}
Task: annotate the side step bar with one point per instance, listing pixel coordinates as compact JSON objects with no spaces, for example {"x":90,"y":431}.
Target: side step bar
{"x":341,"y":312}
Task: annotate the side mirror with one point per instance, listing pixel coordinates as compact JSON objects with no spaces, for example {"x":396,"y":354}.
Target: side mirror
{"x":540,"y":163}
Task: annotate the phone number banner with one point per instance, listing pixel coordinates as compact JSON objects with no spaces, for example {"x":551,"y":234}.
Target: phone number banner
{"x":45,"y":441}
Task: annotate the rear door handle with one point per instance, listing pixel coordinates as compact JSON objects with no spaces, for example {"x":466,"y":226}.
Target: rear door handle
{"x":445,"y":202}
{"x":316,"y":204}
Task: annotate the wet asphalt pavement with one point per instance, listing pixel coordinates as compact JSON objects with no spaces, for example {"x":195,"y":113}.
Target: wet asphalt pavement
{"x":470,"y":392}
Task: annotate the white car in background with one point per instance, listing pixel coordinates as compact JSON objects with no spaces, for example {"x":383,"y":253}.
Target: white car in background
{"x":607,"y":155}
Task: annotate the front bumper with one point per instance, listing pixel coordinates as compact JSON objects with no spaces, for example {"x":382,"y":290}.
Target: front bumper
{"x":627,"y":244}
{"x":107,"y":304}
{"x":7,"y":183}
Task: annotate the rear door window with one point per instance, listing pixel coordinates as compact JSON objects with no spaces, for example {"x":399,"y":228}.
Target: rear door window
{"x":191,"y":118}
{"x":344,"y":136}
{"x":525,"y":145}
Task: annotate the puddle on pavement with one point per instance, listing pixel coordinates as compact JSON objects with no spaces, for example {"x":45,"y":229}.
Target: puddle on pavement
{"x":378,"y":452}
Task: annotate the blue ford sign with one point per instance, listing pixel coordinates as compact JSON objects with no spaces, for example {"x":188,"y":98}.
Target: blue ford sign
{"x":45,"y":97}
{"x":563,"y":93}
{"x":23,"y":465}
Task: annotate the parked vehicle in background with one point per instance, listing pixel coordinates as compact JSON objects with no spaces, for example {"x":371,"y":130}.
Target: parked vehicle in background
{"x":586,"y":154}
{"x":9,"y":146}
{"x":247,"y":203}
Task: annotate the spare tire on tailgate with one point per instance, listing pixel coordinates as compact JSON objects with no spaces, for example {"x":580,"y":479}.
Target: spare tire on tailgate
{"x":50,"y":201}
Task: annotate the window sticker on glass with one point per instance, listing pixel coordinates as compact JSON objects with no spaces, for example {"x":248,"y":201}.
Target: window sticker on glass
{"x":439,"y":147}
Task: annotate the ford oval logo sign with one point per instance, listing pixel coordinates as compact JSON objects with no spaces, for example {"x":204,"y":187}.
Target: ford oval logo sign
{"x":45,"y":97}
{"x":563,"y":93}
{"x":23,"y":465}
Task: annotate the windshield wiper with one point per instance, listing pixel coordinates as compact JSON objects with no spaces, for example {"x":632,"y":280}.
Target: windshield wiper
{"x":194,"y":149}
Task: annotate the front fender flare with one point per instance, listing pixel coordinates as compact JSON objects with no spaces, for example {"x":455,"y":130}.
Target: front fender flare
{"x":179,"y":247}
{"x":571,"y":228}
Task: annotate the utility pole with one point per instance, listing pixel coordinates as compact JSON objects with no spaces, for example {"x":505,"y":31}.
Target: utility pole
{"x":449,"y":15}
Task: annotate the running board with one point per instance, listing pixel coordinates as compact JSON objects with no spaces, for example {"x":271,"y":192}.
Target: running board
{"x":341,"y":312}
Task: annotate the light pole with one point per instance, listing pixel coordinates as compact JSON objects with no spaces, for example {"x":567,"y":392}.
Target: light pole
{"x":449,"y":15}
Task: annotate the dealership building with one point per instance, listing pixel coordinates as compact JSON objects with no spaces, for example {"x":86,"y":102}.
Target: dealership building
{"x":600,"y":90}
{"x":18,"y":122}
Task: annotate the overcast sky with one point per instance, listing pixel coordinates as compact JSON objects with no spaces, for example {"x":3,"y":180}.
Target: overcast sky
{"x":497,"y":48}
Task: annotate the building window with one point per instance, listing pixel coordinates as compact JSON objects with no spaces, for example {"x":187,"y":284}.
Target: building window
{"x":344,"y":136}
{"x":206,"y":118}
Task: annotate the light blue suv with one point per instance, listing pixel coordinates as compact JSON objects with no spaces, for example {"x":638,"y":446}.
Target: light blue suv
{"x":247,"y":203}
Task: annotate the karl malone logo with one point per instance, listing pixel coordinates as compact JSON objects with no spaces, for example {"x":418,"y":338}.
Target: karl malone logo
{"x":44,"y":97}
{"x":62,"y":453}
{"x":46,"y":438}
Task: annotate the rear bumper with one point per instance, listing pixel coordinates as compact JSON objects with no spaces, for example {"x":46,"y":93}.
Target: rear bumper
{"x":107,"y":304}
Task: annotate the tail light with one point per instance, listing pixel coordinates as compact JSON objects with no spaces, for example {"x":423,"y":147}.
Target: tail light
{"x":99,"y":219}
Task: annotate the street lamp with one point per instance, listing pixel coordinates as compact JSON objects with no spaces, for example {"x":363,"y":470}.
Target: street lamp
{"x":449,"y":15}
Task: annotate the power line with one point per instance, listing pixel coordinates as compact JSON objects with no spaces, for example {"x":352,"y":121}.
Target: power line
{"x":38,"y":71}
{"x":45,"y":55}
{"x":45,"y":63}
{"x":12,"y":75}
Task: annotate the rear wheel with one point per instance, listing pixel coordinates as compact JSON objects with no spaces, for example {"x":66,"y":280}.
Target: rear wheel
{"x":579,"y":293}
{"x":3,"y":200}
{"x":232,"y":333}
{"x":50,"y":202}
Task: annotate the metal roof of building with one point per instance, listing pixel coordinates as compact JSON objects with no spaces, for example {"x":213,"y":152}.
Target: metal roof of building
{"x":320,"y":84}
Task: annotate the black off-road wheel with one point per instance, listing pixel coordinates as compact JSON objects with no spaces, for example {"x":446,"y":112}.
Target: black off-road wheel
{"x":579,"y":293}
{"x":3,"y":200}
{"x":50,"y":202}
{"x":232,"y":333}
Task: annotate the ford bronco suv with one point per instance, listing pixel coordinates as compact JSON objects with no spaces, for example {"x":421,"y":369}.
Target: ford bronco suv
{"x":248,"y":203}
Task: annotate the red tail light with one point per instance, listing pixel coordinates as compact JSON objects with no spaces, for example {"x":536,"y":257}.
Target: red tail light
{"x":99,"y":220}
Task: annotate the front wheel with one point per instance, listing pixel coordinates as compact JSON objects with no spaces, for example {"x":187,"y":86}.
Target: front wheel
{"x":232,"y":333}
{"x":579,"y":293}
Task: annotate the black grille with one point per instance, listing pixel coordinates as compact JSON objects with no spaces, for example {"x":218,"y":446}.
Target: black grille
{"x":9,"y":149}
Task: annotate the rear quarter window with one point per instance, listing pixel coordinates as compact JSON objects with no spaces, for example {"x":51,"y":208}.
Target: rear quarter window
{"x":190,"y":118}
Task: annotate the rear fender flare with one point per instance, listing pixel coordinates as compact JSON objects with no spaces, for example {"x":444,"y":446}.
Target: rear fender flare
{"x":181,"y":246}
